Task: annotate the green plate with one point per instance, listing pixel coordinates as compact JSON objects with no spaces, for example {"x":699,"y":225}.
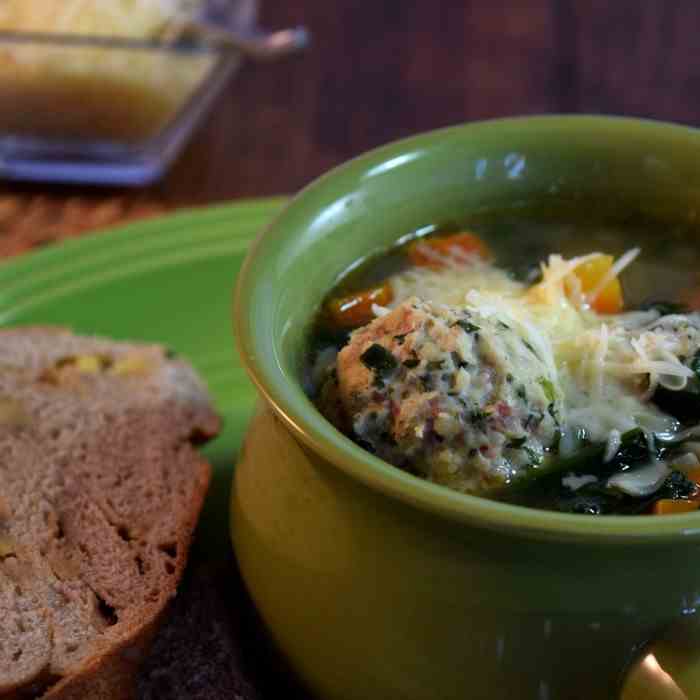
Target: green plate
{"x":168,"y":280}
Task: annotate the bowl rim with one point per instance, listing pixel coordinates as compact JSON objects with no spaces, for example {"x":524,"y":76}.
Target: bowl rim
{"x":314,"y":431}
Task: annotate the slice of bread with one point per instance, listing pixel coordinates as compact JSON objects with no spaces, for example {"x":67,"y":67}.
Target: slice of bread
{"x":100,"y":490}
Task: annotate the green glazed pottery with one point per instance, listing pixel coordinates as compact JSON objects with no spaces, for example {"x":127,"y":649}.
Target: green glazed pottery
{"x":377,"y":585}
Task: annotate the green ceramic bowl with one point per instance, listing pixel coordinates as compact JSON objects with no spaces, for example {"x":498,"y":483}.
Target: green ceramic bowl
{"x":375,"y":584}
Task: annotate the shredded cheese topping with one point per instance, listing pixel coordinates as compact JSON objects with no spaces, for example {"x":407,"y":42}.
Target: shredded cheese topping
{"x":619,"y":265}
{"x":608,"y":367}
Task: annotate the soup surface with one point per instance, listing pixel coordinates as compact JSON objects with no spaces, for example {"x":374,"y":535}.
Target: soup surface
{"x":524,"y":359}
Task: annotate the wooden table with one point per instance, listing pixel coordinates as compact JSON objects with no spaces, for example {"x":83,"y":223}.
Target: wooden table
{"x":378,"y":70}
{"x":386,"y":69}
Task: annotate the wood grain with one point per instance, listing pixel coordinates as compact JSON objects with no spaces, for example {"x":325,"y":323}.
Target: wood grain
{"x":384,"y":69}
{"x":378,"y":70}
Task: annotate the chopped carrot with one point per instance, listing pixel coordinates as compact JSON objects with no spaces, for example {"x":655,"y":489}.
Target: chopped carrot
{"x":465,"y":242}
{"x":694,"y":475}
{"x":692,"y":299}
{"x":666,"y":506}
{"x":354,"y":310}
{"x":609,"y":300}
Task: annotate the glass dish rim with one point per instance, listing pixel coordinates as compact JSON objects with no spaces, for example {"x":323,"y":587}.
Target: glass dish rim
{"x":58,"y":39}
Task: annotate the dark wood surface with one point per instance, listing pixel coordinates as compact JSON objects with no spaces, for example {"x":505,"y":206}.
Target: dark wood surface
{"x":383,"y":69}
{"x":378,"y":70}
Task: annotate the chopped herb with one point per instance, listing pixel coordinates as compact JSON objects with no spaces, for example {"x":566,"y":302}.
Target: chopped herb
{"x":534,"y":457}
{"x":516,"y":443}
{"x":552,"y":410}
{"x":378,"y":359}
{"x":548,"y":389}
{"x":509,"y":378}
{"x":412,"y":361}
{"x":457,"y":361}
{"x":473,"y":452}
{"x":467,"y":327}
{"x":504,"y":326}
{"x":477,"y":416}
{"x":530,"y":348}
{"x":521,"y":393}
{"x":533,"y":420}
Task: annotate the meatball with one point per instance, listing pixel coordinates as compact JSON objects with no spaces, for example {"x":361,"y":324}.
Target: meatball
{"x":456,"y":396}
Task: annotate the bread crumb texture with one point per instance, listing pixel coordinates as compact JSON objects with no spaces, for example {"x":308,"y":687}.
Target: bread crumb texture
{"x":100,"y":490}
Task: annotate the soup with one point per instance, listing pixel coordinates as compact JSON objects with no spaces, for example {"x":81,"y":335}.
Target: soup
{"x":75,"y":91}
{"x":538,"y":370}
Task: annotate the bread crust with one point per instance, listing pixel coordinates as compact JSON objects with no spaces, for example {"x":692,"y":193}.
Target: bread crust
{"x":112,"y":675}
{"x":107,"y":671}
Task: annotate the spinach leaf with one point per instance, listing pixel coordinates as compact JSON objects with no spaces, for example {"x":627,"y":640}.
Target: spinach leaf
{"x":587,"y":460}
{"x":633,"y":449}
{"x":677,"y":485}
{"x":683,"y":405}
{"x":600,"y":501}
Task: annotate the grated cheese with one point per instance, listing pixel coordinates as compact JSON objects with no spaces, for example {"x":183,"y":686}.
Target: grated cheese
{"x":574,"y":482}
{"x":613,"y":445}
{"x":557,"y":277}
{"x":615,"y":269}
{"x":378,"y":310}
{"x":607,"y":371}
{"x":450,"y":284}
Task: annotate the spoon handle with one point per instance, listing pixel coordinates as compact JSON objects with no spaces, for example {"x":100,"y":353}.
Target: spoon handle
{"x":255,"y":44}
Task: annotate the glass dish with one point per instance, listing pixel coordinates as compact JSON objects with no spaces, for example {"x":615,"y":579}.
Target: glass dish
{"x":106,"y":110}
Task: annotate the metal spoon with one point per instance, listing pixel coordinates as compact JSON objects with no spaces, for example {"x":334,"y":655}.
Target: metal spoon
{"x":256,"y":44}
